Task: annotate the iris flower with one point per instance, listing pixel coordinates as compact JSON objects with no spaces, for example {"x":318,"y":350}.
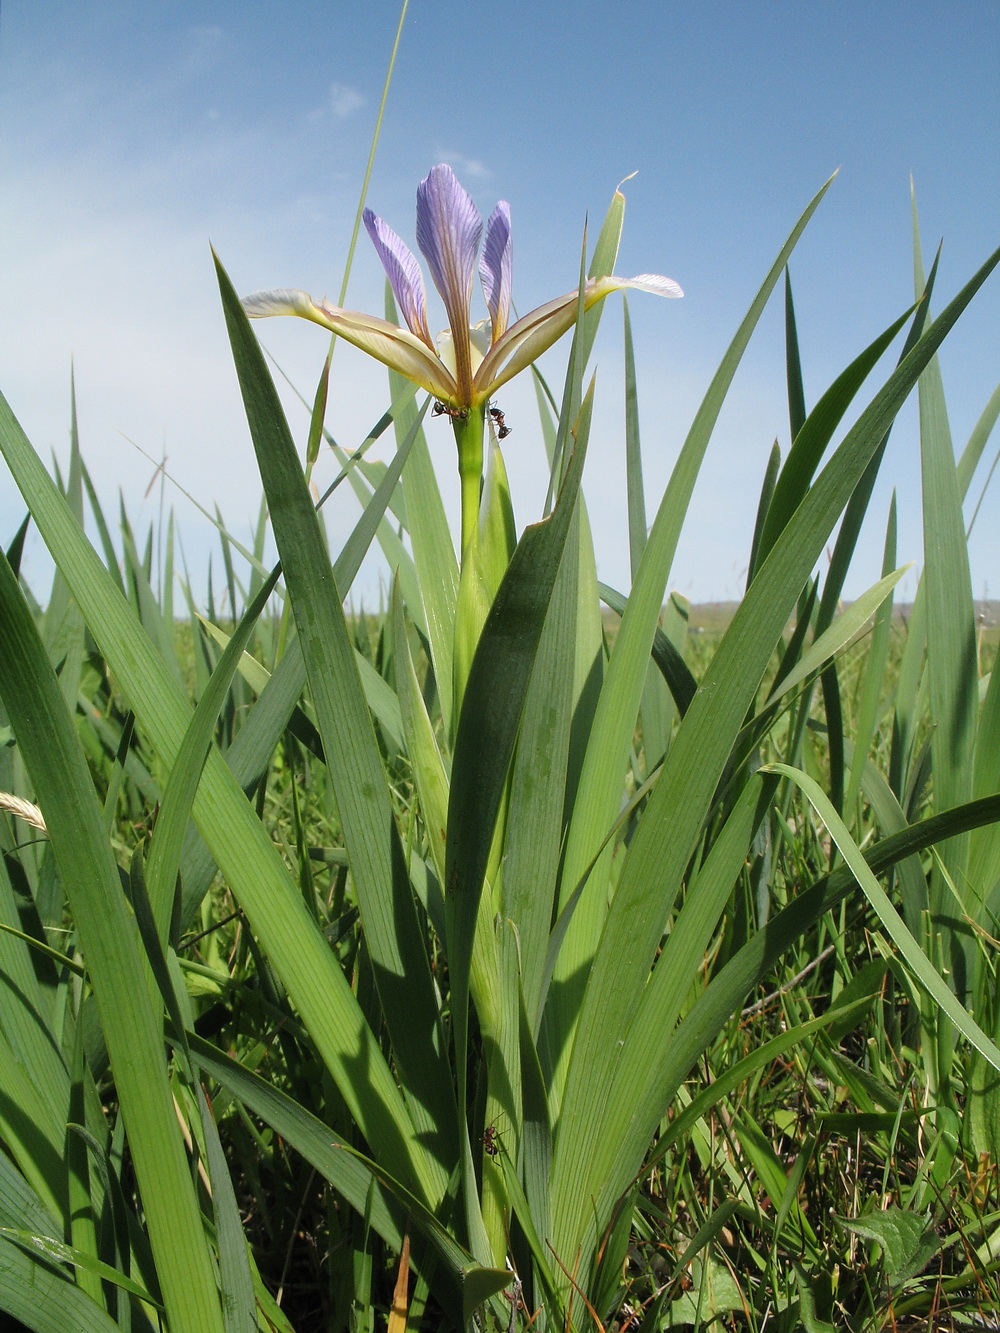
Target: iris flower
{"x":467,"y":363}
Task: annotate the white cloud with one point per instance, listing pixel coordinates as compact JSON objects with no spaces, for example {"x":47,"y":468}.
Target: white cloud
{"x":118,"y":282}
{"x":464,"y":167}
{"x":344,"y":99}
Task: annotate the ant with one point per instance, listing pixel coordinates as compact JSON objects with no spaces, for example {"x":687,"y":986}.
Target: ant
{"x":491,"y":1141}
{"x":503,"y":430}
{"x":443,"y":410}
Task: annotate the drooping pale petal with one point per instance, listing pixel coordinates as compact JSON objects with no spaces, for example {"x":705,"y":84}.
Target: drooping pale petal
{"x":394,"y":347}
{"x":495,"y":268}
{"x":535,"y":333}
{"x":448,"y":232}
{"x":403,"y":272}
{"x":279,"y":301}
{"x":643,"y":282}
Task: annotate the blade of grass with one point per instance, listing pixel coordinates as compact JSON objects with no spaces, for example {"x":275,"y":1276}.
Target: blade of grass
{"x":839,"y":634}
{"x":43,"y":1299}
{"x":951,"y":634}
{"x":655,"y":710}
{"x":598,"y":796}
{"x":251,"y":751}
{"x":677,"y":809}
{"x":62,"y":782}
{"x":667,"y":657}
{"x":533,"y":843}
{"x":793,"y":365}
{"x":973,"y":450}
{"x":917,"y":961}
{"x":392,"y":934}
{"x":631,"y":1122}
{"x":815,"y":434}
{"x":166,"y":843}
{"x":874,"y":673}
{"x":633,"y":456}
{"x":25,"y":1018}
{"x":62,"y":626}
{"x":239,"y":843}
{"x":31,"y":1131}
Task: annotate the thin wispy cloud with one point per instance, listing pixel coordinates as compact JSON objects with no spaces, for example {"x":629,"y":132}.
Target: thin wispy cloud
{"x":464,"y":167}
{"x":344,"y":99}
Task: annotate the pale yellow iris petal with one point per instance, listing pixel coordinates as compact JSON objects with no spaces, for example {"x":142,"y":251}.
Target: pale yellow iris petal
{"x":394,"y":347}
{"x":525,"y":341}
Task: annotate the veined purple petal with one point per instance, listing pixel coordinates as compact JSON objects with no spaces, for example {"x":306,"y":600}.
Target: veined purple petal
{"x":403,"y":272}
{"x":448,"y":231}
{"x":495,"y":267}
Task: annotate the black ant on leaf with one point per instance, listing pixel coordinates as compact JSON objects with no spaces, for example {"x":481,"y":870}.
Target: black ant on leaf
{"x":491,"y":1141}
{"x":503,"y":430}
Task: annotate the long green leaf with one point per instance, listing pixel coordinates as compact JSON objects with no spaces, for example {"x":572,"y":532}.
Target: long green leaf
{"x":31,"y":1128}
{"x":840,"y":633}
{"x":815,"y":434}
{"x":973,"y":450}
{"x":25,"y":1015}
{"x":533,"y":843}
{"x":727,"y":990}
{"x":43,"y":1245}
{"x":951,"y":623}
{"x":600,"y":786}
{"x":874,"y":672}
{"x":672,"y":822}
{"x":65,"y":792}
{"x":239,"y":843}
{"x":43,"y":1299}
{"x":178,"y":798}
{"x":917,"y":961}
{"x":394,"y":941}
{"x":251,"y":751}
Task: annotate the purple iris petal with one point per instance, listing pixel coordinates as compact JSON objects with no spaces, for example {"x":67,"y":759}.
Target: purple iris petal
{"x":495,"y":267}
{"x":448,"y":232}
{"x":403,"y":272}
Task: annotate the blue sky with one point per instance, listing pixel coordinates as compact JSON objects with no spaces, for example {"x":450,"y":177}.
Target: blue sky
{"x":133,"y":135}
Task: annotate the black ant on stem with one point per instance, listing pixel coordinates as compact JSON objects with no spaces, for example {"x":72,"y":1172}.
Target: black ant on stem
{"x":443,"y":410}
{"x":503,"y":430}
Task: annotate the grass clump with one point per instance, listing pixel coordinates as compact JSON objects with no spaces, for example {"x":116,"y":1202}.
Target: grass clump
{"x":513,"y":956}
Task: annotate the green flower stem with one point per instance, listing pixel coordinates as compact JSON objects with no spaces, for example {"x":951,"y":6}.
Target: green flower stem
{"x":469,"y":432}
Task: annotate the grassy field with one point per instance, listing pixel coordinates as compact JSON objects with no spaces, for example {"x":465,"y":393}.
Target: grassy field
{"x":527,"y":955}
